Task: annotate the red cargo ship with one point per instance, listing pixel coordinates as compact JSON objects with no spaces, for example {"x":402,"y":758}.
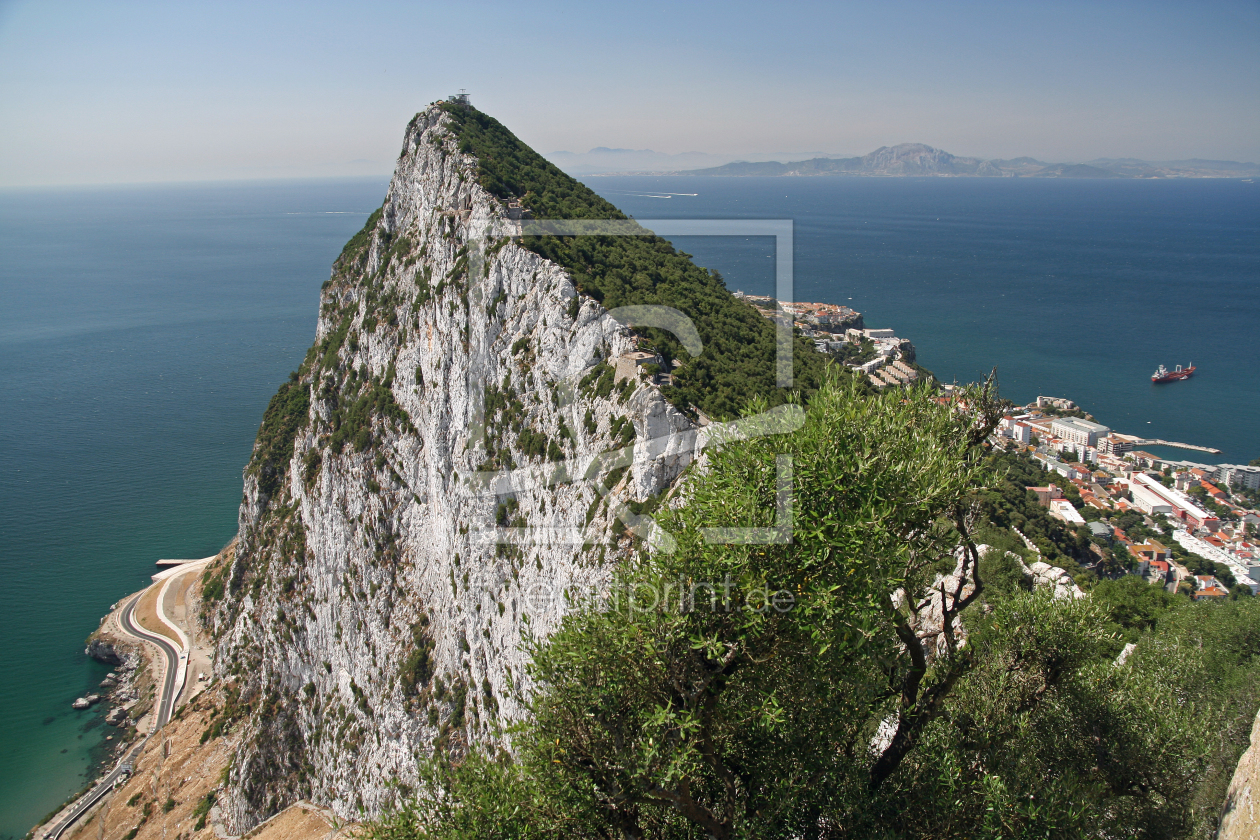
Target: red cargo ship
{"x":1166,"y":375}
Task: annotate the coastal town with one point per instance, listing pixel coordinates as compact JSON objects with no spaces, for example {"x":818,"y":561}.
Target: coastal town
{"x":885,"y":359}
{"x":1188,"y":526}
{"x":1208,"y":511}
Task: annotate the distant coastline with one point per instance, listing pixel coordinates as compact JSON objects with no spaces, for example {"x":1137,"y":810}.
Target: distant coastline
{"x":909,"y":160}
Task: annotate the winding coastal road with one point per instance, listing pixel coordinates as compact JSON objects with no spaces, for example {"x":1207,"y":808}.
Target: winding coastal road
{"x":166,"y":699}
{"x":162,"y":709}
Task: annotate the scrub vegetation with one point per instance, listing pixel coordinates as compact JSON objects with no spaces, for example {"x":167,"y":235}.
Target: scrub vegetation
{"x":834,"y":717}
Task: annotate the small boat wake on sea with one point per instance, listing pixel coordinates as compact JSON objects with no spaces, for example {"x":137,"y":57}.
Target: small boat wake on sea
{"x":1163,"y":374}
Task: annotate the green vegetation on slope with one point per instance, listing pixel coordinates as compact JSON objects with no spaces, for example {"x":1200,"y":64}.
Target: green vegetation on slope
{"x":738,"y":361}
{"x":755,"y":721}
{"x":1009,"y":503}
{"x":353,"y":254}
{"x":273,"y":449}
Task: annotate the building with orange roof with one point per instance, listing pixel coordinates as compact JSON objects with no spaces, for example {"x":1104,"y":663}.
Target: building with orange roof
{"x":1212,"y":490}
{"x":1154,"y":571}
{"x":1150,"y":550}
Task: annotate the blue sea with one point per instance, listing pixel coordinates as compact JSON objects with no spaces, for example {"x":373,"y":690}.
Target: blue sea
{"x":1070,"y":288}
{"x":144,"y":329}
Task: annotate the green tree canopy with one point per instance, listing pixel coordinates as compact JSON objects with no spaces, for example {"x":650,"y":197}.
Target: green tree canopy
{"x":856,"y":712}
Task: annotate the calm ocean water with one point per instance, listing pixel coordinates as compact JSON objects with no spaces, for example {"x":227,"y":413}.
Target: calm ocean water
{"x":144,"y":330}
{"x":141,"y":335}
{"x":1074,"y":288}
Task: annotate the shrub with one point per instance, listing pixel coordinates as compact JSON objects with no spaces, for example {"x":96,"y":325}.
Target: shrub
{"x":286,"y":413}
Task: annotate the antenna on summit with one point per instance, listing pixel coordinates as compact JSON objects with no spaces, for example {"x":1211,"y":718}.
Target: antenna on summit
{"x":460,"y":98}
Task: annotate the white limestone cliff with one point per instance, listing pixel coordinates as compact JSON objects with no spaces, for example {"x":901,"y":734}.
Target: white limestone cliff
{"x":364,"y":561}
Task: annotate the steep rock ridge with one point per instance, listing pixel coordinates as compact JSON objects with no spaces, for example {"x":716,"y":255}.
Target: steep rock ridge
{"x":1239,"y":817}
{"x":372,"y":611}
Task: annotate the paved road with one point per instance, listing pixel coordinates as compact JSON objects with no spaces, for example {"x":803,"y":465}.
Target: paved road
{"x":166,"y":700}
{"x":162,"y":714}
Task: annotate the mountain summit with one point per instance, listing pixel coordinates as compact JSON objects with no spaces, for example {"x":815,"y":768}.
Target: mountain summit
{"x":471,"y":439}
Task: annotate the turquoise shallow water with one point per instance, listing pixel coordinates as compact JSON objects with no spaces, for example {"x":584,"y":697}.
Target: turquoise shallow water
{"x":143,"y":331}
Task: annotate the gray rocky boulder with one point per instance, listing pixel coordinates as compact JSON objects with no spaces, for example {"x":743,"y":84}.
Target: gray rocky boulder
{"x":1046,"y":576}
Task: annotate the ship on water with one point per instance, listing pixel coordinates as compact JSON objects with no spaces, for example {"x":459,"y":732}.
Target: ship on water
{"x":1166,"y":375}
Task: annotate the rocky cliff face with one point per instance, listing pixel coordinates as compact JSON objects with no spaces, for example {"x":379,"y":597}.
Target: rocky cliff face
{"x":1240,"y":814}
{"x":425,"y":493}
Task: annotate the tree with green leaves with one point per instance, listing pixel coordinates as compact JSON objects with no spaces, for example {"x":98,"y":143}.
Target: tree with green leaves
{"x":739,"y":358}
{"x":729,"y":688}
{"x":853,"y":676}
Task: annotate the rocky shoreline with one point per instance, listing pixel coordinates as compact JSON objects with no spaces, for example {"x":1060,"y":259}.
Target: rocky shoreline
{"x":121,"y":687}
{"x":123,"y":690}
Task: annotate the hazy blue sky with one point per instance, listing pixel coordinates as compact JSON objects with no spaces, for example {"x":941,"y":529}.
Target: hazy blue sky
{"x":129,"y":91}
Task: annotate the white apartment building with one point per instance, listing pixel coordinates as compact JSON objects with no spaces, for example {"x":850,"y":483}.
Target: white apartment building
{"x":1238,"y":475}
{"x":872,"y":366}
{"x":1113,"y":444}
{"x":1074,"y":430}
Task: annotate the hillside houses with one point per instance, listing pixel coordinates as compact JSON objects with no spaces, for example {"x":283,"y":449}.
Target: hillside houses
{"x":1191,"y":504}
{"x":885,"y":359}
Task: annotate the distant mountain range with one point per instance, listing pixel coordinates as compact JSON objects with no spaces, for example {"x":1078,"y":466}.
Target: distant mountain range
{"x":917,"y":159}
{"x":602,"y":160}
